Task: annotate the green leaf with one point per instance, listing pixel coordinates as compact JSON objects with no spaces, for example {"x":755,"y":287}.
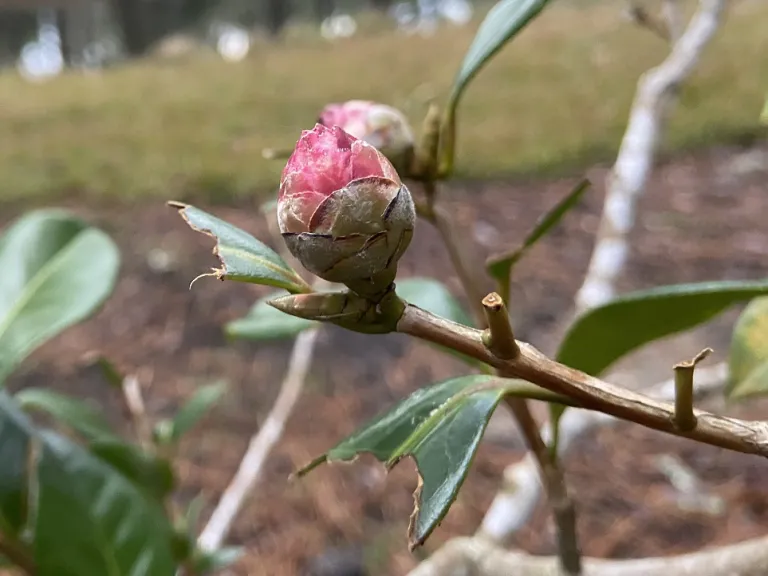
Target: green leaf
{"x":502,"y":23}
{"x":91,"y":520}
{"x":15,"y":433}
{"x":88,"y":518}
{"x":605,"y":334}
{"x":56,"y":271}
{"x":764,"y":115}
{"x":748,"y":362}
{"x":440,"y":426}
{"x":265,"y":322}
{"x":149,"y":473}
{"x":432,"y":296}
{"x":196,"y":407}
{"x":74,"y":413}
{"x":243,"y":257}
{"x":501,"y":266}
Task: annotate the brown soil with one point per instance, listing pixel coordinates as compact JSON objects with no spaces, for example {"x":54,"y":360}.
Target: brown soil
{"x":704,"y":218}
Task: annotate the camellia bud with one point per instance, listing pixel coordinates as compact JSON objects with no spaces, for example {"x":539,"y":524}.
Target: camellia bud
{"x":343,"y":211}
{"x":382,"y":126}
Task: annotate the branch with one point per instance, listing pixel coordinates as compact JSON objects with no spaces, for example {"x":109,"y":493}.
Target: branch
{"x":520,"y":491}
{"x":588,"y":391}
{"x":261,"y":444}
{"x":474,"y":556}
{"x":134,"y":402}
{"x":629,"y":176}
{"x":500,"y":340}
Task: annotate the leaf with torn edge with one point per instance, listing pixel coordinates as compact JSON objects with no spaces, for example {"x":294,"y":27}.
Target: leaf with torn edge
{"x":748,"y":361}
{"x":243,"y":257}
{"x":500,"y":266}
{"x":440,"y":427}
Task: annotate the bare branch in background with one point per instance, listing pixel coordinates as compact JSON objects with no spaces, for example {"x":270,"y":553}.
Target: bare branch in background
{"x":475,"y":556}
{"x":520,"y":492}
{"x":625,"y":184}
{"x":261,"y":444}
{"x":134,"y":402}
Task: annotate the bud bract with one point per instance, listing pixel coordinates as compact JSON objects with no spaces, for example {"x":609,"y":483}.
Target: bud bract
{"x":384,"y":127}
{"x":343,"y":211}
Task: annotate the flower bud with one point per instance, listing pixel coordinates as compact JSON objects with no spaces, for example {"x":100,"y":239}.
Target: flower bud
{"x":343,"y":211}
{"x":381,"y":126}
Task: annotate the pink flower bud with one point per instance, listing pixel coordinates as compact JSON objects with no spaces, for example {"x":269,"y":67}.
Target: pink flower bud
{"x":382,"y":126}
{"x":342,"y":209}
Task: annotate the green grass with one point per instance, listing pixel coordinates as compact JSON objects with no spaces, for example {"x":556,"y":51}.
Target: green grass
{"x":555,"y":98}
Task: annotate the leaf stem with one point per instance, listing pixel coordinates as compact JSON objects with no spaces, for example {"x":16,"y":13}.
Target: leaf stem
{"x":684,"y":418}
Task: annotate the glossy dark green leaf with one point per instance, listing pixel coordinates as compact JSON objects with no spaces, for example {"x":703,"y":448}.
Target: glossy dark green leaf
{"x":440,"y":426}
{"x":501,"y":266}
{"x":15,"y":433}
{"x":502,"y":23}
{"x":605,"y":334}
{"x":92,"y":520}
{"x":748,"y":361}
{"x":56,"y":271}
{"x":149,"y":473}
{"x":264,"y":322}
{"x":76,"y":414}
{"x":243,"y":257}
{"x":89,"y":519}
{"x":195,"y":408}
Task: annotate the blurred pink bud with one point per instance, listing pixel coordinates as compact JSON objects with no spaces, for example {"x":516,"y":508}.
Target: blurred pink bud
{"x":381,"y":126}
{"x":342,"y":209}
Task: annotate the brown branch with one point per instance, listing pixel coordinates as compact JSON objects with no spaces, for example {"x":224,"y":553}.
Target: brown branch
{"x":592,"y":393}
{"x":481,"y":558}
{"x":520,"y":490}
{"x":500,"y":340}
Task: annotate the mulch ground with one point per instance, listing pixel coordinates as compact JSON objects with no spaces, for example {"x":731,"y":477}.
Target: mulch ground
{"x":703,"y":218}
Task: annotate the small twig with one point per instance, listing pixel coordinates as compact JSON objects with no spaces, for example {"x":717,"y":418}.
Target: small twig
{"x":135,"y":404}
{"x":640,"y":16}
{"x":673,"y":15}
{"x":18,"y":556}
{"x":592,"y":393}
{"x":520,"y":491}
{"x":449,"y":235}
{"x":261,"y":444}
{"x":684,"y":418}
{"x":557,"y":493}
{"x":499,"y":337}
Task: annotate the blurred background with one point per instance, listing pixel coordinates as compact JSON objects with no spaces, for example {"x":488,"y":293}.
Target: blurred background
{"x":111,"y":107}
